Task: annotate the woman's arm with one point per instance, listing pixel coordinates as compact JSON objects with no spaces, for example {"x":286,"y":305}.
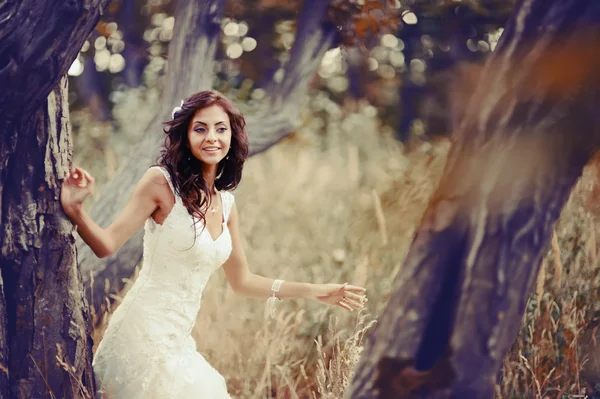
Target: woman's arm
{"x":144,"y":201}
{"x":244,"y":282}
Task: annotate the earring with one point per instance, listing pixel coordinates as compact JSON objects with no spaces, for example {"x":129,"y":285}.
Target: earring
{"x":220,"y":170}
{"x":227,"y":157}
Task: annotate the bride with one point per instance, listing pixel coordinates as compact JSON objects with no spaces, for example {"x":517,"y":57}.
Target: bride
{"x":190,"y":229}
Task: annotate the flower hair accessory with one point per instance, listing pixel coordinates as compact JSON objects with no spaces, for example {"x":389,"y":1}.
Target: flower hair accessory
{"x":176,"y":110}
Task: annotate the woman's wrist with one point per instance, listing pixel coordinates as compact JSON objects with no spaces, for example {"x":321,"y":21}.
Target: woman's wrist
{"x":311,"y":291}
{"x":73,"y":212}
{"x":283,"y":289}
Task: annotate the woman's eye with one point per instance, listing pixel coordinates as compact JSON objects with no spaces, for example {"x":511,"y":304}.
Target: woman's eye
{"x":222,"y":130}
{"x":200,"y":130}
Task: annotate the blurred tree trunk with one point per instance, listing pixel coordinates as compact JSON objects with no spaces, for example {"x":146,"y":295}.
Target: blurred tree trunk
{"x":408,"y":89}
{"x":198,"y":28}
{"x":358,"y":70}
{"x":43,"y":312}
{"x":312,"y":39}
{"x":135,"y":51}
{"x":262,"y":63}
{"x":522,"y":140}
{"x":90,"y":88}
{"x":457,"y":28}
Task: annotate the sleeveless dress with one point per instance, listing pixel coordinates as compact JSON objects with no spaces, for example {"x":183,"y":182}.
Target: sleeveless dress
{"x":147,"y":350}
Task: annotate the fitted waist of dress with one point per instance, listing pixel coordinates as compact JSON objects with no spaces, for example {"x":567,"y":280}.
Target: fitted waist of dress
{"x":160,"y":271}
{"x":158,"y":301}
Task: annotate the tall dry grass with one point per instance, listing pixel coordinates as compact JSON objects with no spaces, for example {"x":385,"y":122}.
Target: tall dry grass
{"x":339,"y":201}
{"x":555,"y":354}
{"x":313,"y":209}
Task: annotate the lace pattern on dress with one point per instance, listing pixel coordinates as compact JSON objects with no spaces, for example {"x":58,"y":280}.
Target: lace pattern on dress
{"x":147,"y":350}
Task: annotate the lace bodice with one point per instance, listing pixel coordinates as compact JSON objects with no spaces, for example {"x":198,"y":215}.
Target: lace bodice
{"x":156,"y":317}
{"x":179,"y":261}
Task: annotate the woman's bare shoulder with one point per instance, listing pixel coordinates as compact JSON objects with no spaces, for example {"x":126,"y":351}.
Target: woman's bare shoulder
{"x":155,"y":184}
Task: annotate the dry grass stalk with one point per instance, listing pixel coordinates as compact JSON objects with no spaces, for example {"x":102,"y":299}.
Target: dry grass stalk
{"x":541,"y":281}
{"x":558,"y":266}
{"x":380,"y":218}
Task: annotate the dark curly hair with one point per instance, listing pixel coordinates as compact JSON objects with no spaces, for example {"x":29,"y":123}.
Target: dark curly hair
{"x":185,"y":169}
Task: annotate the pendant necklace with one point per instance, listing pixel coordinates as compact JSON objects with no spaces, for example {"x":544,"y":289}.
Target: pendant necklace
{"x":213,"y":209}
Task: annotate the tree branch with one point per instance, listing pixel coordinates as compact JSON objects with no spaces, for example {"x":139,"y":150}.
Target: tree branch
{"x":314,"y":36}
{"x":38,"y":43}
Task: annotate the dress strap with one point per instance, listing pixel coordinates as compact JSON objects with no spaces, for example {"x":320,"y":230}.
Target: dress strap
{"x":167,"y":176}
{"x":228,"y":199}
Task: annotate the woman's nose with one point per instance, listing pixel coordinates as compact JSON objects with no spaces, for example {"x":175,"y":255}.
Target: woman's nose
{"x":211,"y":135}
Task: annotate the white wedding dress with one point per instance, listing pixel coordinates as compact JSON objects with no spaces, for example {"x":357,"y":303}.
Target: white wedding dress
{"x":147,"y":350}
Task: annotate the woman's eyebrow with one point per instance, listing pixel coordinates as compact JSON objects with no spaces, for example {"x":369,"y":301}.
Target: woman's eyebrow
{"x":202,"y":123}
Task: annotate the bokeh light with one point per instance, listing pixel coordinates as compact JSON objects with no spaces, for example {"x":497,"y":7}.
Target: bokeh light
{"x":231,"y":29}
{"x":372,"y":64}
{"x":102,"y":59}
{"x":76,"y":68}
{"x":116,"y":63}
{"x":100,"y":43}
{"x":389,"y":40}
{"x":331,"y":63}
{"x":410,"y":18}
{"x":249,"y":44}
{"x":235,"y":50}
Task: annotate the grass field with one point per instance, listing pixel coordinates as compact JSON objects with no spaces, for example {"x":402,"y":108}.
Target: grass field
{"x":343,"y":207}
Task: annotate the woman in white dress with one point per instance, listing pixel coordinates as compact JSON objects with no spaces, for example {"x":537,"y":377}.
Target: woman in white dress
{"x":190,"y":229}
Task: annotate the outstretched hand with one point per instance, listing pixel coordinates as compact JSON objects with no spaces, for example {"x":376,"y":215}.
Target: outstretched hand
{"x":348,"y":297}
{"x":76,"y":187}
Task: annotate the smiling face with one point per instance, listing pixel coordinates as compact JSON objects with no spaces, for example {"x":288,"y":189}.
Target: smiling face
{"x":209,"y":136}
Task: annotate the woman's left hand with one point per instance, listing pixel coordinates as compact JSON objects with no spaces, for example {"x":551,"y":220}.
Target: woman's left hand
{"x":346,"y":296}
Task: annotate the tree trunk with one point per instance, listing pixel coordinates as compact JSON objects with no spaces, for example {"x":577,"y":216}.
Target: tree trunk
{"x":45,"y":318}
{"x":409,"y":90}
{"x":47,"y":310}
{"x":90,"y":89}
{"x":313,"y":38}
{"x":192,"y":50}
{"x":529,"y":128}
{"x":4,"y":378}
{"x":136,"y":49}
{"x":358,"y":71}
{"x":260,"y":65}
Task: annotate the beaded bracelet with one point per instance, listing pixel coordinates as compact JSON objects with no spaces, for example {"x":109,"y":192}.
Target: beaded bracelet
{"x":273,"y":299}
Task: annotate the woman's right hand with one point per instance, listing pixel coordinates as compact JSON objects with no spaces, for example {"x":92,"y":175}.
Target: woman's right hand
{"x":76,"y":187}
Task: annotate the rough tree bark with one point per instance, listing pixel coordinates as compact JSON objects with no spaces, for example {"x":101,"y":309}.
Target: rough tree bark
{"x":191,"y":56}
{"x":46,"y":314}
{"x":4,"y":379}
{"x":529,"y":128}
